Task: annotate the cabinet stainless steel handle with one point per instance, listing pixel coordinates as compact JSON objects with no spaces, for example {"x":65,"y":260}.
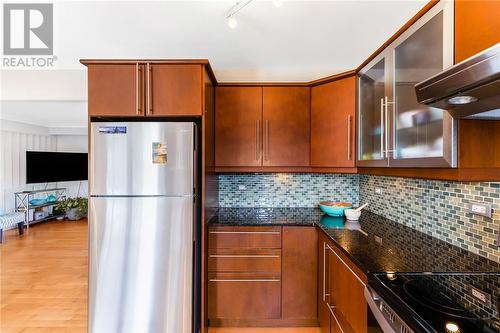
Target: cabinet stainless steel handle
{"x":257,"y":140}
{"x":324,"y":271}
{"x":386,"y":127}
{"x":150,"y":89}
{"x":349,"y":137}
{"x":382,"y":129}
{"x":331,"y":307}
{"x":266,"y":142}
{"x":243,"y":256}
{"x":245,"y":232}
{"x":345,"y":264}
{"x":393,"y":105}
{"x":244,"y":280}
{"x":137,"y":89}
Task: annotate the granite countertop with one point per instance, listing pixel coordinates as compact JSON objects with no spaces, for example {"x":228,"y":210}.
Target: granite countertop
{"x":380,"y":246}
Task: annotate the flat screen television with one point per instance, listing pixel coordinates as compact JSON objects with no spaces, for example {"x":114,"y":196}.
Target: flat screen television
{"x":48,"y":167}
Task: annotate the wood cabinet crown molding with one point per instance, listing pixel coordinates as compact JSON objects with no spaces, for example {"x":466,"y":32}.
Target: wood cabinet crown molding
{"x":202,"y":62}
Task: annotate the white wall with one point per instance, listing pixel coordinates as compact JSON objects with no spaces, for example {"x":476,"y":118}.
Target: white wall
{"x":15,"y":139}
{"x":72,"y":143}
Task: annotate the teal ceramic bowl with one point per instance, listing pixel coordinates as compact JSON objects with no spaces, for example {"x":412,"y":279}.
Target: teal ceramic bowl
{"x":333,"y":210}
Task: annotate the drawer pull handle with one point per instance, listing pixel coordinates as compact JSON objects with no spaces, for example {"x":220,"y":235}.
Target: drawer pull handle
{"x":244,"y":280}
{"x":242,"y":256}
{"x":331,"y":307}
{"x":138,"y":73}
{"x":246,"y":232}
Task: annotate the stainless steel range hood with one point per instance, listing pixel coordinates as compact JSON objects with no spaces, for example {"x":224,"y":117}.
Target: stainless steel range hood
{"x":470,"y":89}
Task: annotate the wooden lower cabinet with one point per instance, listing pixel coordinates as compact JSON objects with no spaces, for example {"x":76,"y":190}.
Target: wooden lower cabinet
{"x":299,"y":273}
{"x":323,"y":311}
{"x":237,"y":261}
{"x":244,"y":296}
{"x":241,"y":238}
{"x":262,"y":276}
{"x":343,"y":307}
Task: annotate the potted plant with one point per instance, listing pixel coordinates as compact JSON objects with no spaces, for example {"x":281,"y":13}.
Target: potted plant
{"x":74,"y":208}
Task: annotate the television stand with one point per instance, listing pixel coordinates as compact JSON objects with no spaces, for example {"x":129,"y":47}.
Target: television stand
{"x":22,"y":201}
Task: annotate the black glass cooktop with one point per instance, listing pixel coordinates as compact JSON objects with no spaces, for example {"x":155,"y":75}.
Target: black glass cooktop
{"x":442,"y":303}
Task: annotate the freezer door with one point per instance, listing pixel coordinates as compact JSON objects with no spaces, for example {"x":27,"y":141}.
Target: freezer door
{"x":141,"y":158}
{"x":140,"y":265}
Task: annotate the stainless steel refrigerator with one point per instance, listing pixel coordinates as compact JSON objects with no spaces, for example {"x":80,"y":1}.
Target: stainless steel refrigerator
{"x":141,"y":227}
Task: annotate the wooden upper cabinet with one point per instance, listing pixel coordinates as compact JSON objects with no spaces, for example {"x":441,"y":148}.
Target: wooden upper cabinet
{"x":238,"y":126}
{"x":175,"y":90}
{"x":286,"y":117}
{"x":477,"y":27}
{"x":141,"y":88}
{"x":333,"y":136}
{"x":115,"y":89}
{"x":479,"y":145}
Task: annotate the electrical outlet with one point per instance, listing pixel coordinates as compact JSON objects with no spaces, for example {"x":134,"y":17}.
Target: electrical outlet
{"x":478,"y":208}
{"x":378,"y":190}
{"x":480,"y":295}
{"x":242,"y":187}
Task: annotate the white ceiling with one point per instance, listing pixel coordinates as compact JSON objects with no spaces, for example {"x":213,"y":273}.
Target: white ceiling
{"x":300,"y":41}
{"x":54,"y":115}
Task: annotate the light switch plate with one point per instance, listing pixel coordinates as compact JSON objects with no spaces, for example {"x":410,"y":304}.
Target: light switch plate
{"x":242,"y":187}
{"x":479,"y":208}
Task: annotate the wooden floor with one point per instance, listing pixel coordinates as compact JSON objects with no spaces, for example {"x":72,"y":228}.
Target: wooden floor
{"x":43,"y":281}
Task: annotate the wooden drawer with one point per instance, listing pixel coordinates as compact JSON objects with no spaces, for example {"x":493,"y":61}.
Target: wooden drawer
{"x":244,"y":238}
{"x":244,"y":296}
{"x":245,"y":261}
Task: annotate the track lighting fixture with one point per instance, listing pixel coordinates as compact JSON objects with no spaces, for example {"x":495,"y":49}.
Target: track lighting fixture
{"x":230,"y":15}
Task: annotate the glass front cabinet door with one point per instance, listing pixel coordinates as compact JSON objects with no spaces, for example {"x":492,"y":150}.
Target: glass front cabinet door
{"x":394,"y":129}
{"x":374,"y":87}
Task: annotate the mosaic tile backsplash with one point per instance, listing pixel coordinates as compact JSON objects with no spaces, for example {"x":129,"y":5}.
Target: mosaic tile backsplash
{"x":286,"y":190}
{"x":438,"y":208}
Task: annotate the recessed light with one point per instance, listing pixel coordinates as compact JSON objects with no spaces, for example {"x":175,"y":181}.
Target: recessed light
{"x":277,"y":3}
{"x":452,"y":328}
{"x":232,"y":22}
{"x":459,"y":100}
